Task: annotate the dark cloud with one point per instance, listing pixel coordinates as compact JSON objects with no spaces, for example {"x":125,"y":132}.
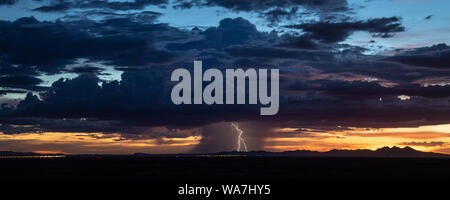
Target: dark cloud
{"x":229,"y":32}
{"x":8,"y":129}
{"x":263,"y":5}
{"x":64,"y":5}
{"x":56,"y":7}
{"x":424,"y":144}
{"x":24,"y":82}
{"x":270,"y":52}
{"x":19,"y":80}
{"x":83,"y":97}
{"x":331,"y":32}
{"x":362,"y":89}
{"x":49,"y":46}
{"x":86,"y":69}
{"x":42,"y":125}
{"x":131,"y":101}
{"x":141,"y":16}
{"x":3,"y":92}
{"x":7,"y":2}
{"x":378,"y":67}
{"x":140,"y":98}
{"x":272,"y":11}
{"x":436,"y":56}
{"x":301,"y":42}
{"x":276,"y":15}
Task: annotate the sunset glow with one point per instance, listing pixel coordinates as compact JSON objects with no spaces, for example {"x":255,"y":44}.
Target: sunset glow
{"x":425,"y":138}
{"x":75,"y":143}
{"x":434,"y":138}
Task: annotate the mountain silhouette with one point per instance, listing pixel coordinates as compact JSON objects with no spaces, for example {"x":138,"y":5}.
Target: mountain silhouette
{"x":381,"y":152}
{"x":384,"y":152}
{"x":13,"y":153}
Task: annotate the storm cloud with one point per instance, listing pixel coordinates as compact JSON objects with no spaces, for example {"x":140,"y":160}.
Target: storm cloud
{"x":330,"y":31}
{"x":325,"y":82}
{"x":64,"y":5}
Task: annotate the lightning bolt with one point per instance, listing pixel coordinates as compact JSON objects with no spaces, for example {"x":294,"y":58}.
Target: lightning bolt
{"x":240,"y":139}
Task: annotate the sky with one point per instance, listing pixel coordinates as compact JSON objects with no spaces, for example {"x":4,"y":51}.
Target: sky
{"x":93,"y":76}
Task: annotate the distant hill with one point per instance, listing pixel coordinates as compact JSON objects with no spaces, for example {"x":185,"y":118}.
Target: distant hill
{"x":12,"y":153}
{"x":385,"y":152}
{"x":381,"y":152}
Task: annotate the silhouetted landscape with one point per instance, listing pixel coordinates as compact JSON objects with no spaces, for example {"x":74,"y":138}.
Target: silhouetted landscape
{"x":406,"y":152}
{"x":382,"y":164}
{"x":398,"y":152}
{"x":286,"y":172}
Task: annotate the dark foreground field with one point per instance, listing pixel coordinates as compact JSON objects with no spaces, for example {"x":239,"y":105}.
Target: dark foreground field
{"x":224,"y":168}
{"x":288,"y":176}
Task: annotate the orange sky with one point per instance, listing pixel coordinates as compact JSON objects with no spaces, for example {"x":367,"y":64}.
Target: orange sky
{"x":92,"y":143}
{"x":434,"y":138}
